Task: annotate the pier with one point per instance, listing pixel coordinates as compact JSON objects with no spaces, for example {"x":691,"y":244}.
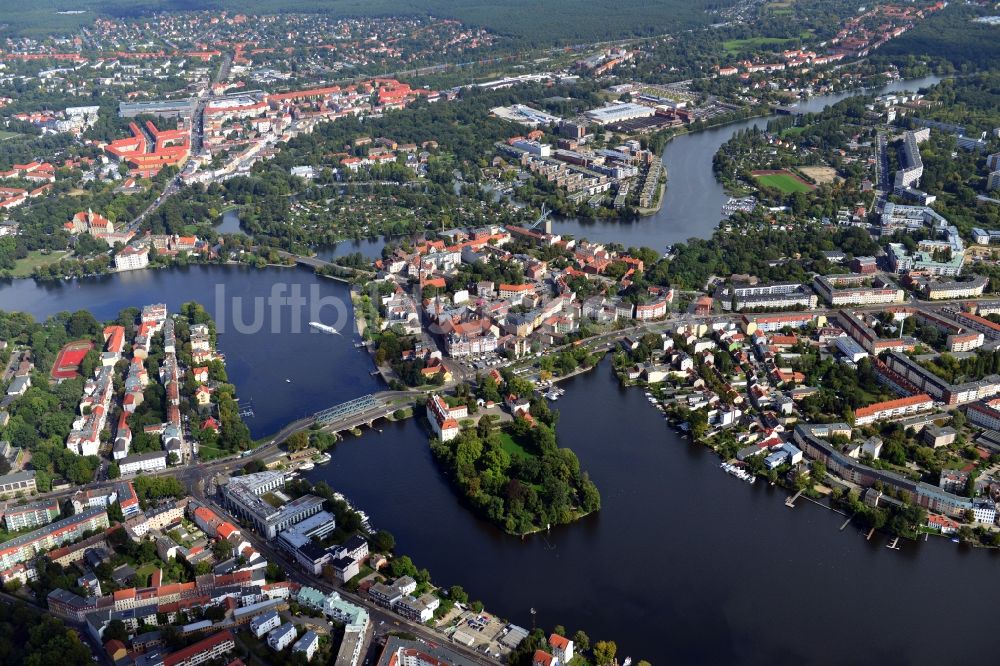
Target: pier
{"x":790,"y":502}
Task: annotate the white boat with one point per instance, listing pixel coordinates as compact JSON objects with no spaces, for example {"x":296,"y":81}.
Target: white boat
{"x":322,"y":458}
{"x":306,"y":466}
{"x":319,"y":326}
{"x":739,"y":473}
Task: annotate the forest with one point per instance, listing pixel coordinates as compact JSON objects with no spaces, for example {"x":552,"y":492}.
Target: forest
{"x":33,"y":638}
{"x":518,"y":477}
{"x":527,"y":22}
{"x":949,"y":36}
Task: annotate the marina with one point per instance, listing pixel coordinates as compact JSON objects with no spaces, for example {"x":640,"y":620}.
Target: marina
{"x":739,"y":473}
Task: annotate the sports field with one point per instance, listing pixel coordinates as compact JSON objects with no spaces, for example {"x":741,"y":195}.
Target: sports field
{"x":785,"y":181}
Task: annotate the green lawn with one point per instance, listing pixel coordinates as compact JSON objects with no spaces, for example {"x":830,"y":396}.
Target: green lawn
{"x":512,"y":447}
{"x":23,"y":267}
{"x":784,"y":182}
{"x":736,"y":46}
{"x":7,"y":135}
{"x":210,"y":452}
{"x":143,"y":573}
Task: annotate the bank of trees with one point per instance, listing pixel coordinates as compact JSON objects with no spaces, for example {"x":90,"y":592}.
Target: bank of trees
{"x":33,"y":638}
{"x":520,"y":479}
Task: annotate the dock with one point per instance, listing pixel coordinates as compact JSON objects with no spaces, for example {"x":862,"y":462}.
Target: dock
{"x":790,"y":502}
{"x":870,"y":533}
{"x":894,"y":545}
{"x":846,"y":523}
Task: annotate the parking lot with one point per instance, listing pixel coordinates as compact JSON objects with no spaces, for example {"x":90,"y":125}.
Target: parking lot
{"x":480,"y":631}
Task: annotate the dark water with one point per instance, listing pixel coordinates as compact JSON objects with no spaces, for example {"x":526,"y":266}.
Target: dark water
{"x":683,"y":564}
{"x":321,"y":369}
{"x":368,"y":247}
{"x":692,"y":204}
{"x":230,"y":223}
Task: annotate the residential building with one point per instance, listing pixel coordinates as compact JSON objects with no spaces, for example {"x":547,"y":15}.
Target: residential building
{"x":262,"y":624}
{"x":898,"y":368}
{"x":813,"y":439}
{"x":280,"y":638}
{"x":142,"y":462}
{"x":204,"y":650}
{"x":954,"y":289}
{"x":26,"y":546}
{"x":132,"y":258}
{"x":307,"y":645}
{"x":889,"y":409}
{"x":29,"y":515}
{"x":562,"y":648}
{"x":18,"y":484}
{"x":857,"y":289}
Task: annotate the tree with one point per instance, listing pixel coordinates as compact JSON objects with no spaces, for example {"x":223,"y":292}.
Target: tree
{"x":114,"y":471}
{"x":604,"y":653}
{"x":81,"y":324}
{"x":222,"y":550}
{"x":297,"y":441}
{"x":383,"y":541}
{"x":116,"y":630}
{"x":457,"y":594}
{"x":581,"y":640}
{"x":402,"y":566}
{"x":818,"y":471}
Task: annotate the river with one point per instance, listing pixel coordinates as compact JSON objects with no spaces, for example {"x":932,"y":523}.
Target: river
{"x":285,"y":370}
{"x":684,"y":563}
{"x":692,"y":205}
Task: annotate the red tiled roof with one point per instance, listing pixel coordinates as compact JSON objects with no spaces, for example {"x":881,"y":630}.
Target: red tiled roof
{"x":892,"y":404}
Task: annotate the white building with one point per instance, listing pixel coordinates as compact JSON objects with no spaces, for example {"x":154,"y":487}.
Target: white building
{"x":131,"y":258}
{"x":262,"y":624}
{"x":143,"y":462}
{"x":307,"y":645}
{"x":281,"y":637}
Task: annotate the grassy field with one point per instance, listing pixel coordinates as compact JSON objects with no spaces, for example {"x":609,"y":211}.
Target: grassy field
{"x":143,"y":573}
{"x":512,"y":447}
{"x":23,"y":267}
{"x":736,"y":46}
{"x":7,"y":135}
{"x":785,"y":182}
{"x":819,"y":174}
